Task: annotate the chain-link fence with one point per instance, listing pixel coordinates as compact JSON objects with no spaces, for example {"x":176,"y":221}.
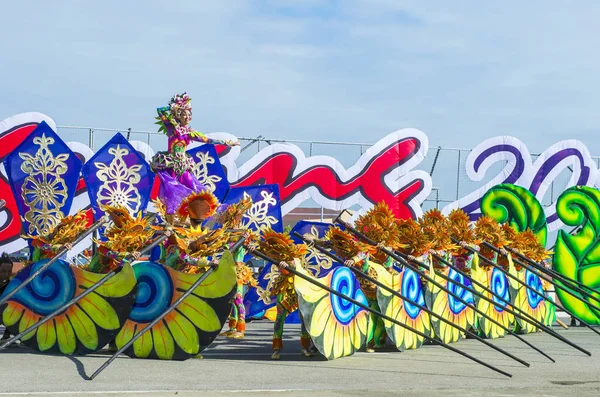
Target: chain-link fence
{"x":447,"y":166}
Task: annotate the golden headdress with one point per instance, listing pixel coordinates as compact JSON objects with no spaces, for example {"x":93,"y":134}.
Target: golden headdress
{"x":280,"y":246}
{"x":510,"y":235}
{"x":232,"y":216}
{"x":459,"y":226}
{"x":410,"y":238}
{"x":344,"y":244}
{"x":488,"y":230}
{"x":531,"y":247}
{"x":172,"y":219}
{"x":128,"y":233}
{"x":436,"y":230}
{"x":206,"y":242}
{"x":379,"y":224}
{"x":68,"y":229}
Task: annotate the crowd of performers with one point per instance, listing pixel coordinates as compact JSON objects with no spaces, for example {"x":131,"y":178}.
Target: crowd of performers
{"x":199,"y":229}
{"x":191,"y":248}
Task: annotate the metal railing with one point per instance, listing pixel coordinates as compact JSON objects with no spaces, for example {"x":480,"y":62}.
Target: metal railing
{"x":445,"y":165}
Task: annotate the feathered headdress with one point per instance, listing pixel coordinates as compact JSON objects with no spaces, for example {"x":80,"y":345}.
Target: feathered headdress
{"x":530,"y":246}
{"x":205,"y":242}
{"x":379,"y":224}
{"x":128,"y":233}
{"x":510,"y":235}
{"x":459,"y":226}
{"x":344,"y":244}
{"x":488,"y":230}
{"x":410,"y":238}
{"x":66,"y":231}
{"x":280,"y":246}
{"x":232,"y":216}
{"x":436,"y":230}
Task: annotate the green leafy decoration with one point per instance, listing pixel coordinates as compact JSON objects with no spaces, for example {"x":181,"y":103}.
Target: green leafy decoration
{"x":577,"y":256}
{"x":517,"y":206}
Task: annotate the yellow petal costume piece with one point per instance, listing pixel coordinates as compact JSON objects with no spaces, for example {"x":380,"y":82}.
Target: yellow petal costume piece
{"x":85,"y":327}
{"x":449,"y":307}
{"x":408,"y":284}
{"x":193,"y":325}
{"x":337,"y":327}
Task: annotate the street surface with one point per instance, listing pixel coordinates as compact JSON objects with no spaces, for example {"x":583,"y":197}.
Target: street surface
{"x":244,"y":366}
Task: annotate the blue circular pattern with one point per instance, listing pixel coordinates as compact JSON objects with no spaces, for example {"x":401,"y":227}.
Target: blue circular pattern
{"x":499,"y":285}
{"x":411,"y":288}
{"x":455,"y":305}
{"x":344,"y":282}
{"x":154,"y":291}
{"x":533,"y":281}
{"x":47,"y":292}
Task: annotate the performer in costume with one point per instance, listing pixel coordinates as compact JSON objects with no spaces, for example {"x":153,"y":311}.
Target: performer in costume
{"x":435,"y":230}
{"x":179,"y":186}
{"x":46,"y":247}
{"x":356,"y":253}
{"x":176,"y":251}
{"x":461,"y":230}
{"x":126,"y":236}
{"x":281,"y":247}
{"x":378,"y":224}
{"x":231,"y":219}
{"x":487,"y":229}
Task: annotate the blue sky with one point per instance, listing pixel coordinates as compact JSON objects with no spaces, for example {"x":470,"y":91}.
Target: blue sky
{"x":348,"y":70}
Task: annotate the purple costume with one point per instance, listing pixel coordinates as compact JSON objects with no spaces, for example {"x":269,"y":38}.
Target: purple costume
{"x":174,"y":167}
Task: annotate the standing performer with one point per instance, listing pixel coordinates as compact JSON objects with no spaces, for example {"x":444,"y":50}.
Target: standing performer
{"x":179,"y":187}
{"x":175,"y":251}
{"x":281,"y":247}
{"x":378,"y":224}
{"x":356,"y":253}
{"x":231,"y":219}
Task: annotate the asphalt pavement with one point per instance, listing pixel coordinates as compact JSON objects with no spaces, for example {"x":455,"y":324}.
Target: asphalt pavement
{"x":244,"y":366}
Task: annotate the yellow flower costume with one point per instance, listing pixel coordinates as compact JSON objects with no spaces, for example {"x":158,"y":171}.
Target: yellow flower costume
{"x":280,"y":247}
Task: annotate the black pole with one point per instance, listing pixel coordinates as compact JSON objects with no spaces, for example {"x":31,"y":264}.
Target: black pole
{"x":523,"y":315}
{"x":551,"y":282}
{"x":385,"y":317}
{"x":472,"y":290}
{"x":163,"y":314}
{"x":46,"y":265}
{"x":79,"y":297}
{"x":491,"y":263}
{"x":412,"y":302}
{"x":571,"y":283}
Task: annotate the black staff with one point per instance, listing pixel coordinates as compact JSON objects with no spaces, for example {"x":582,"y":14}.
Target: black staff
{"x":530,"y":319}
{"x":491,"y":263}
{"x":403,"y":260}
{"x":148,"y":327}
{"x":568,"y":281}
{"x":412,"y":302}
{"x":46,"y":265}
{"x":85,"y":293}
{"x":548,"y":280}
{"x":367,"y":308}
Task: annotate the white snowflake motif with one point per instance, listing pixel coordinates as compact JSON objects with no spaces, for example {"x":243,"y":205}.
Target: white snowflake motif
{"x":257,"y":217}
{"x":200,"y":171}
{"x":315,"y":260}
{"x":119,"y":187}
{"x":264,"y":294}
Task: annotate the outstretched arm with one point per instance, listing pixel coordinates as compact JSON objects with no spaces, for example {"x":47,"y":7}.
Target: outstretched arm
{"x":200,"y":137}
